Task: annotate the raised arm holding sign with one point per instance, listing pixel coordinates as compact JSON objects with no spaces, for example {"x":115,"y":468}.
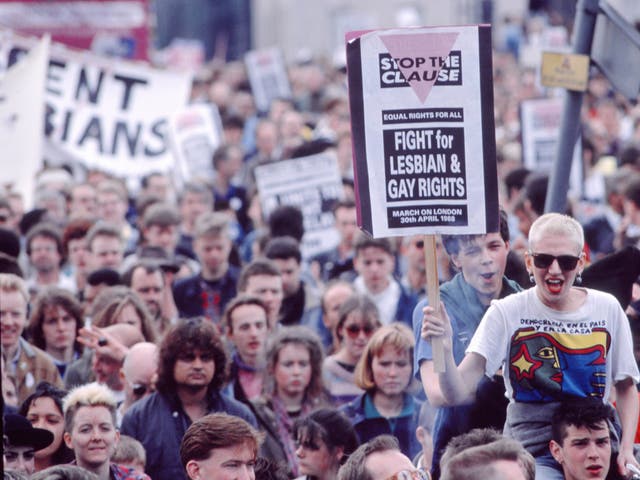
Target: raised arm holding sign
{"x":424,"y":159}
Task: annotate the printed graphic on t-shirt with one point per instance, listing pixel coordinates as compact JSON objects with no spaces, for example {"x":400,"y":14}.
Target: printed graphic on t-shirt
{"x":550,"y":362}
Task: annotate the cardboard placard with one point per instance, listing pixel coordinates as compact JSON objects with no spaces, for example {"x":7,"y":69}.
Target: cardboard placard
{"x":423,"y":130}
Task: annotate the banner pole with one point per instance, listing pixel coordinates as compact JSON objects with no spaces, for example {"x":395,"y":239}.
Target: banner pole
{"x":433,"y":295}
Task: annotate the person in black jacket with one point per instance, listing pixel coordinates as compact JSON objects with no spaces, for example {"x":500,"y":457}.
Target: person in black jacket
{"x":208,"y":292}
{"x":191,"y":371}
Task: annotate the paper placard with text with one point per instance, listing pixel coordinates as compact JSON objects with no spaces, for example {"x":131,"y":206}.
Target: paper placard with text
{"x":313,"y":185}
{"x":267,"y":74}
{"x":423,"y":130}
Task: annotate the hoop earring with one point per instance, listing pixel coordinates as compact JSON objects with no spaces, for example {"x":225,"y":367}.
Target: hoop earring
{"x":532,"y":278}
{"x":579,"y":278}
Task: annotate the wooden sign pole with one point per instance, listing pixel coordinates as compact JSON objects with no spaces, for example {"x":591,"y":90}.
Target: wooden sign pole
{"x":433,"y":295}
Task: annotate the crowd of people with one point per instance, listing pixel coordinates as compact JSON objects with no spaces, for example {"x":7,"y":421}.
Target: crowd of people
{"x":175,"y":332}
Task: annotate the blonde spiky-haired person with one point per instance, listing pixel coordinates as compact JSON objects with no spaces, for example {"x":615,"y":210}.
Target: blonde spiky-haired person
{"x":90,"y":430}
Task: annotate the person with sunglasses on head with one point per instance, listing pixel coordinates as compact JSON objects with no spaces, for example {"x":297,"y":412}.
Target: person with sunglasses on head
{"x":553,"y":342}
{"x":481,"y":261}
{"x":357,"y":320}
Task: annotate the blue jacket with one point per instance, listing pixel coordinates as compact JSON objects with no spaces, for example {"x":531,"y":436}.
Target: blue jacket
{"x":187,"y":293}
{"x":159,"y":422}
{"x":402,"y":427}
{"x":406,"y":304}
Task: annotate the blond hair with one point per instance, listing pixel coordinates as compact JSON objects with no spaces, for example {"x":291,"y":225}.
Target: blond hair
{"x":13,"y":283}
{"x":89,"y":395}
{"x":557,"y":224}
{"x":396,"y":335}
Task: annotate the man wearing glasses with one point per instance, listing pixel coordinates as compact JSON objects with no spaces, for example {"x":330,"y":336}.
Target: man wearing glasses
{"x":481,"y":261}
{"x":380,"y":459}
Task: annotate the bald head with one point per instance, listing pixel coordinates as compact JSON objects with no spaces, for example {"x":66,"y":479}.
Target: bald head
{"x":126,"y":334}
{"x":139,"y":372}
{"x":143,"y":354}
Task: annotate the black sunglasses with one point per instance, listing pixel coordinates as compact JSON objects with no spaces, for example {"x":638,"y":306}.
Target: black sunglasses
{"x":544,"y":260}
{"x":139,"y":389}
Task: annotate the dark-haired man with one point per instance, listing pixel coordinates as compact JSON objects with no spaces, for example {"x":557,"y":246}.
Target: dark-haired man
{"x":301,"y":302}
{"x":581,"y":441}
{"x":374,"y":262}
{"x":191,"y":370}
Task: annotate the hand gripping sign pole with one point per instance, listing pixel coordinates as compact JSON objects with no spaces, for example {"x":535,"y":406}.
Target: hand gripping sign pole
{"x":421,"y":102}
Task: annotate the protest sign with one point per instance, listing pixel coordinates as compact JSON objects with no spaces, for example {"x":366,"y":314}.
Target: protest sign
{"x":22,"y":119}
{"x":107,"y":27}
{"x":540,"y":124}
{"x":108,"y":114}
{"x":268,"y":76}
{"x":313,"y":185}
{"x":423,"y":130}
{"x":195,"y":133}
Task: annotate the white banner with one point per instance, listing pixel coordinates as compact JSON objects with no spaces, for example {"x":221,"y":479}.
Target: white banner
{"x":22,"y":121}
{"x":313,"y":185}
{"x":108,"y":114}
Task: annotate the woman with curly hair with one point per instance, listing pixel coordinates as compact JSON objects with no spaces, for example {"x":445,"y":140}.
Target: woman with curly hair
{"x":293,"y":389}
{"x":54,"y":326}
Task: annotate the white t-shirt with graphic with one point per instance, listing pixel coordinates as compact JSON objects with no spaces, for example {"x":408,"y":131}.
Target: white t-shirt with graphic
{"x":547,"y":355}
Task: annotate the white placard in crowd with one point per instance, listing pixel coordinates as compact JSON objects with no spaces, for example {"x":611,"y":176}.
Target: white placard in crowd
{"x":195,"y":133}
{"x":22,"y":120}
{"x":267,"y":76}
{"x":423,"y":130}
{"x":540,"y":126}
{"x":108,"y":114}
{"x":313,"y":185}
